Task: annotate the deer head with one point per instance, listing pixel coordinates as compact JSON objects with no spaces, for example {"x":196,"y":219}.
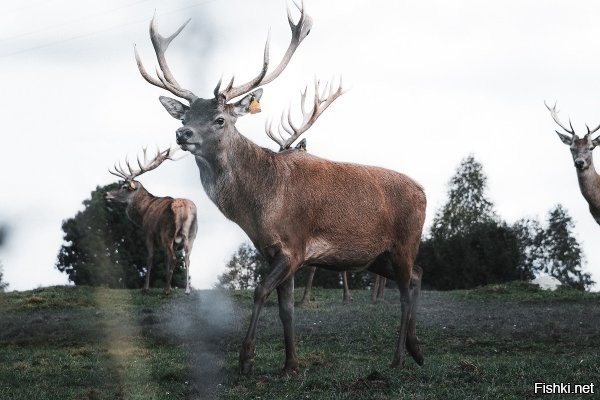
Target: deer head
{"x":129,"y":186}
{"x":581,"y":148}
{"x":207,"y":121}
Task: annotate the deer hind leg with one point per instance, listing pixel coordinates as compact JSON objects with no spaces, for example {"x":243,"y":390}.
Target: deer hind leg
{"x":399,"y":266}
{"x":346,"y":296}
{"x":307,"y":288}
{"x":187,"y":250}
{"x":280,"y":274}
{"x":170,"y":264}
{"x":149,"y":261}
{"x":412,"y":341}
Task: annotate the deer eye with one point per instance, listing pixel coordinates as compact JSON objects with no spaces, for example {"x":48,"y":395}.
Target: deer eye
{"x":220,"y":121}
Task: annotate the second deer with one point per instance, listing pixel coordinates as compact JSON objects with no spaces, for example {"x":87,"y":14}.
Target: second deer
{"x":168,"y":222}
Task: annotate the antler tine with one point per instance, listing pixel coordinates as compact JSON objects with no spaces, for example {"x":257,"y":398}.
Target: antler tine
{"x":299,"y":31}
{"x":592,"y":130}
{"x":166,"y":80}
{"x":320,"y":104}
{"x":554,"y":114}
{"x":117,"y":172}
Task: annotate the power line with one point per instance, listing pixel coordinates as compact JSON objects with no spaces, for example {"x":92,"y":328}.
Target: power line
{"x":139,"y":21}
{"x":70,"y":22}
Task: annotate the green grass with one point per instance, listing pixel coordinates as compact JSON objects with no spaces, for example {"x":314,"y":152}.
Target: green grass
{"x":87,"y":344}
{"x":80,"y":343}
{"x":521,"y":291}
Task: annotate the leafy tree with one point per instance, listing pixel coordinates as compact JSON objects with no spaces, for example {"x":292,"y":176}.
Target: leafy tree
{"x":245,"y":269}
{"x":467,"y":203}
{"x":103,"y":248}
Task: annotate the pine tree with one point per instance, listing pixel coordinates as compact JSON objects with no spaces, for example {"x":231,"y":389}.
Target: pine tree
{"x":468,"y":245}
{"x":562,"y":252}
{"x":467,"y":203}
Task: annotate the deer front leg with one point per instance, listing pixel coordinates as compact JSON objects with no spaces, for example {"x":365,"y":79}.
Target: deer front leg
{"x":281,"y":270}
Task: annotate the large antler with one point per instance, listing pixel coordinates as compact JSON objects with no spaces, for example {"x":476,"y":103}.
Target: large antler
{"x":320,"y":104}
{"x":571,"y":131}
{"x":165,"y":80}
{"x":145,"y":166}
{"x":299,"y":31}
{"x":554,"y":114}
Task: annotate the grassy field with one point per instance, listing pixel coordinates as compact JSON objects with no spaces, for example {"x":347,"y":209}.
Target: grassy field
{"x":490,"y":343}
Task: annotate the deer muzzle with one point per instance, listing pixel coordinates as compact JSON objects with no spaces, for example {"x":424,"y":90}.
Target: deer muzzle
{"x":183,"y":134}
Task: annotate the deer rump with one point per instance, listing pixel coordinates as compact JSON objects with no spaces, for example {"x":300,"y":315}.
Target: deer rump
{"x":170,"y":220}
{"x":334,"y":215}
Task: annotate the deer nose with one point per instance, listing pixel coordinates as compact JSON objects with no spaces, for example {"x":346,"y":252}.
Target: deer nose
{"x":183,"y":134}
{"x":579,"y":164}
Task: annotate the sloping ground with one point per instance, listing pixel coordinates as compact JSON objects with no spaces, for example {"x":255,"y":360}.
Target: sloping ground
{"x":88,"y":344}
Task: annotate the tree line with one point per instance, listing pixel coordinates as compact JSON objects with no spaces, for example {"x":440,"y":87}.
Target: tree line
{"x":468,"y":245}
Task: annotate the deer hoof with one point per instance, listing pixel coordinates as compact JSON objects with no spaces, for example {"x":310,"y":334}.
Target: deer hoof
{"x":291,"y":367}
{"x":246,"y":367}
{"x":247,"y":355}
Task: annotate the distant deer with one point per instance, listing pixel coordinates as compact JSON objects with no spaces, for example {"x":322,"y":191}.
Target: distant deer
{"x":169,"y":222}
{"x":297,"y":208}
{"x":581,"y":150}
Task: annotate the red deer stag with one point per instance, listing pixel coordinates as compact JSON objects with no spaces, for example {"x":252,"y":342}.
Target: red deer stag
{"x":301,"y":146}
{"x":169,"y":222}
{"x":581,"y":150}
{"x":296,"y":208}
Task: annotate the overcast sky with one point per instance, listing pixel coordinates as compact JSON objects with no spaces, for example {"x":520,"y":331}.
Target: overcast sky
{"x":430,"y":82}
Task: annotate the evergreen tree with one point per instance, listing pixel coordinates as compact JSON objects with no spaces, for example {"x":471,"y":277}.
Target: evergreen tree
{"x":467,"y":203}
{"x":103,"y":248}
{"x":468,"y":245}
{"x":563,"y":255}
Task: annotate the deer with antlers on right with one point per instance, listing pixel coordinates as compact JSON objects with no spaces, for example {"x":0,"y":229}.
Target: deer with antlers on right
{"x":296,"y":208}
{"x":581,"y":150}
{"x":169,"y":222}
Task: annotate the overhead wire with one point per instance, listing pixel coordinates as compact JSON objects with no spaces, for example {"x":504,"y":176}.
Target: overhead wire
{"x":75,"y":37}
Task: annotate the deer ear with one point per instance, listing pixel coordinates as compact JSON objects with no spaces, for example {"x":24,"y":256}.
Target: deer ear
{"x":596,"y":142}
{"x":173,"y":107}
{"x":248,"y":103}
{"x":568,"y":140}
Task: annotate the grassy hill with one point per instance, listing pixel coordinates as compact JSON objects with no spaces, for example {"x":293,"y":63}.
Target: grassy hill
{"x":95,"y":343}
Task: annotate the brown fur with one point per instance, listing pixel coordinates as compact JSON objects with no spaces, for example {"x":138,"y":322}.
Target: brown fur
{"x":170,"y":223}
